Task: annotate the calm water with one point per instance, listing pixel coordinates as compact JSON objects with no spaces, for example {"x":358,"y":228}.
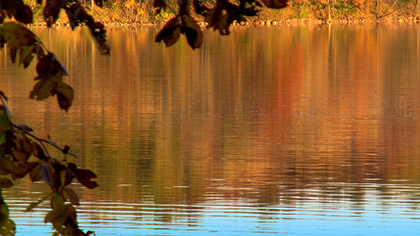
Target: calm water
{"x":285,"y":131}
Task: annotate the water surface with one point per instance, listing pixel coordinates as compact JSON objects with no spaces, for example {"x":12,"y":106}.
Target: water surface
{"x":309,"y":130}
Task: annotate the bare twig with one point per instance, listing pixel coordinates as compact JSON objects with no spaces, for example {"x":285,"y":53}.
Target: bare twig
{"x":42,"y":141}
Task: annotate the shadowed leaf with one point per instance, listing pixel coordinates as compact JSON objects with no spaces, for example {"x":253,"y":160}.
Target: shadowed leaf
{"x":159,"y":5}
{"x":22,"y":12}
{"x":52,"y":10}
{"x":65,"y":95}
{"x":99,"y":3}
{"x":35,"y":174}
{"x":6,"y":181}
{"x":84,"y":176}
{"x":46,"y":173}
{"x":275,"y":3}
{"x":192,"y":31}
{"x":170,"y":32}
{"x":77,"y":14}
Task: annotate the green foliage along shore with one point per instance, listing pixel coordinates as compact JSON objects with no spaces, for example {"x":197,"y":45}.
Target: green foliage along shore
{"x":143,"y":12}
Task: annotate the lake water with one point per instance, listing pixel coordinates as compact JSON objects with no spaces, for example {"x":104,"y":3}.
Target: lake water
{"x":287,"y":130}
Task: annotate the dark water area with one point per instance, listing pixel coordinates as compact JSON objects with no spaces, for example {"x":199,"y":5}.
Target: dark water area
{"x":309,"y":130}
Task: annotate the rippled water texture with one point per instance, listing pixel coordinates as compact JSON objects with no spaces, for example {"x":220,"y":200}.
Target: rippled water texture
{"x":310,"y":130}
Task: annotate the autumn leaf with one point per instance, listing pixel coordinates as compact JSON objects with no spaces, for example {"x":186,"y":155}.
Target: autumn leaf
{"x":98,"y":32}
{"x":47,"y":173}
{"x":159,"y":5}
{"x":21,"y":41}
{"x":77,"y":14}
{"x":192,"y":31}
{"x":84,"y":176}
{"x":200,"y":9}
{"x":7,"y":226}
{"x":65,"y":95}
{"x":170,"y":32}
{"x":6,"y":181}
{"x":52,"y":10}
{"x":49,"y":82}
{"x":71,"y":196}
{"x":45,"y":87}
{"x":16,"y":9}
{"x":18,"y":170}
{"x":35,"y":174}
{"x":26,"y":55}
{"x":21,"y":12}
{"x":4,"y":125}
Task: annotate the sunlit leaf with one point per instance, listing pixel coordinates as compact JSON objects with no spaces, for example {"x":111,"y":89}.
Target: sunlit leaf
{"x":7,"y":227}
{"x":44,"y":88}
{"x":17,"y":35}
{"x":26,"y":55}
{"x":57,"y":203}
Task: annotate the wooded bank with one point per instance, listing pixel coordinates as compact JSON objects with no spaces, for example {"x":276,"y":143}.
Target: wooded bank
{"x":142,"y":12}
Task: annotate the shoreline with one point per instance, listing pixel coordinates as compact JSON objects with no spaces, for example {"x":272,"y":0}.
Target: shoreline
{"x":286,"y":22}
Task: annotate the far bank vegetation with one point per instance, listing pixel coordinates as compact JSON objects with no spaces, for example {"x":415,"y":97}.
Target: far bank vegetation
{"x":142,"y":12}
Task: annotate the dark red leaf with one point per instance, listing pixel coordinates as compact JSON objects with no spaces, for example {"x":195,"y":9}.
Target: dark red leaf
{"x":170,"y":32}
{"x":84,"y":176}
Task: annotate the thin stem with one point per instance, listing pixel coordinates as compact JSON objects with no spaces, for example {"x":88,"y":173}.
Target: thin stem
{"x":42,"y":141}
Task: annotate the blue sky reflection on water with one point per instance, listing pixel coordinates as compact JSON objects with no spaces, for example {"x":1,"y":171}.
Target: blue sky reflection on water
{"x":306,"y":219}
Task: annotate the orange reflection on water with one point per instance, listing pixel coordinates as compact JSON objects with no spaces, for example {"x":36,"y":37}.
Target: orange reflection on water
{"x":266,"y":115}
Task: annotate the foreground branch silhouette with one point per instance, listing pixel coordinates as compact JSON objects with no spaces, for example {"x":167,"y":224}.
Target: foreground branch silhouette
{"x":22,"y":153}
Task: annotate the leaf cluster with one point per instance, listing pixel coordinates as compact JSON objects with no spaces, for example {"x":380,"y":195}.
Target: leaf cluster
{"x":17,"y":9}
{"x":25,"y":45}
{"x":219,"y":17}
{"x":23,"y":154}
{"x":182,"y":23}
{"x":224,"y":13}
{"x":76,"y":13}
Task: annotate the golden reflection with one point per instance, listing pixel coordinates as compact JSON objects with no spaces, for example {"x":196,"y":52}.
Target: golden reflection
{"x":265,"y":116}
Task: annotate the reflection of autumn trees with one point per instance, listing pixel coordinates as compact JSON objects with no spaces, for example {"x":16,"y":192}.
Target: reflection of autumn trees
{"x":290,"y":113}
